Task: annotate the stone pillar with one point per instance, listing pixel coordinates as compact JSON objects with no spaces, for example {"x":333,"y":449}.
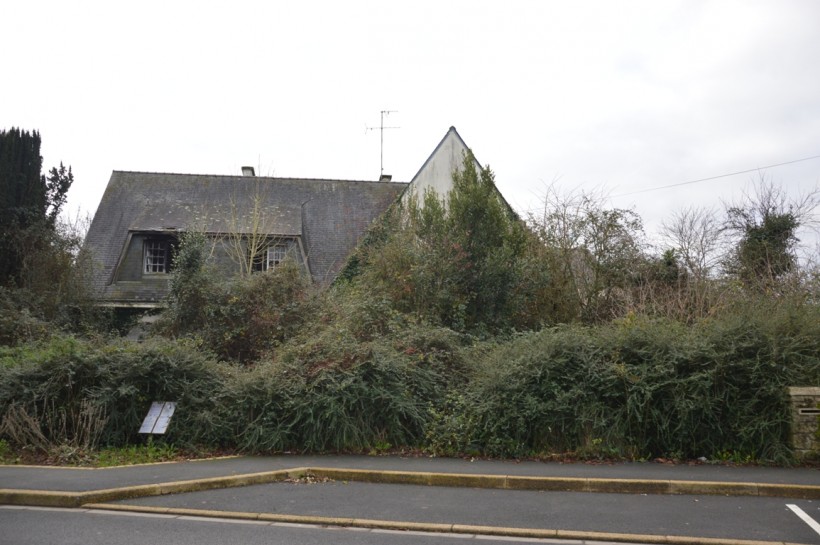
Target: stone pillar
{"x":805,"y":404}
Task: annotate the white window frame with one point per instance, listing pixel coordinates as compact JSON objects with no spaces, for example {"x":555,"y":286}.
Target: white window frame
{"x":155,"y":256}
{"x":275,"y":254}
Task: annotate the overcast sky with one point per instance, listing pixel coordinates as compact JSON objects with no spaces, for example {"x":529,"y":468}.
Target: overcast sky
{"x":621,"y":96}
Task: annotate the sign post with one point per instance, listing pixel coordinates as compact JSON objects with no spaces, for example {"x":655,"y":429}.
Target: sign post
{"x":158,"y":417}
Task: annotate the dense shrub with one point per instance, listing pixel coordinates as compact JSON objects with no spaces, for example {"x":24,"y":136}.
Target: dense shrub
{"x":336,"y":392}
{"x":381,"y":399}
{"x":237,"y":318}
{"x":17,"y":322}
{"x":362,"y":379}
{"x":640,"y":387}
{"x":70,"y":391}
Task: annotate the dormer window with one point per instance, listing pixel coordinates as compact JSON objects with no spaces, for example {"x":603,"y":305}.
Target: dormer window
{"x":271,"y":257}
{"x":156,"y":256}
{"x":276,"y":254}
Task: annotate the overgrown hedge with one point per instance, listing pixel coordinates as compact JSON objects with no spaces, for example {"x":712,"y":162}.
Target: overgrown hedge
{"x":85,"y":393}
{"x":338,"y":393}
{"x":362,"y":379}
{"x":639,"y":387}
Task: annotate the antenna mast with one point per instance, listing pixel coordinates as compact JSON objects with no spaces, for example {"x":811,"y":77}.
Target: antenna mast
{"x":381,"y":128}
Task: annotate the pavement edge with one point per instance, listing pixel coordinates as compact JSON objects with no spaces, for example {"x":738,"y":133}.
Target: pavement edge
{"x":499,"y":531}
{"x":46,"y":498}
{"x":571,"y":484}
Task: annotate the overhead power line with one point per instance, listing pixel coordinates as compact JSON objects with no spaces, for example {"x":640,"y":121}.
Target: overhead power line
{"x":716,"y":177}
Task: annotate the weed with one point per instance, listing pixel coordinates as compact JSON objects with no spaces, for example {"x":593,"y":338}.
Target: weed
{"x":735,"y":457}
{"x":137,"y":454}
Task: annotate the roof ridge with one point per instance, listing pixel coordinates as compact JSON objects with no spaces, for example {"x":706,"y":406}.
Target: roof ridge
{"x":297,"y":179}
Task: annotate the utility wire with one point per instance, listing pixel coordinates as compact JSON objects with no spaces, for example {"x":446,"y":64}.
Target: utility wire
{"x":716,"y":177}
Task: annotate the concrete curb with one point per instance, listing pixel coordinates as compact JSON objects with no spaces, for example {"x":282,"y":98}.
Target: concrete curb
{"x":45,"y":498}
{"x":571,"y":484}
{"x":58,"y":498}
{"x":542,"y":533}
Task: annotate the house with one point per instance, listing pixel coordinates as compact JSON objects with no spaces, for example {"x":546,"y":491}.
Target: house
{"x":258,"y":221}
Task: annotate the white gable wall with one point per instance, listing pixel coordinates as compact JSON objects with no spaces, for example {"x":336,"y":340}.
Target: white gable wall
{"x":437,"y":172}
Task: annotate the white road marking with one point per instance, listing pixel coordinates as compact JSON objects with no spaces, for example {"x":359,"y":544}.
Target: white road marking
{"x":805,"y":517}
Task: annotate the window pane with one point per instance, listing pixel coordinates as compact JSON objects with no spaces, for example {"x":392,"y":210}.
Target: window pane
{"x":276,"y":255}
{"x":156,"y":253}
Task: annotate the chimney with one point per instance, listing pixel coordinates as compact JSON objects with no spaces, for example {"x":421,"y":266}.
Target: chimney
{"x":248,"y":171}
{"x":385,"y":177}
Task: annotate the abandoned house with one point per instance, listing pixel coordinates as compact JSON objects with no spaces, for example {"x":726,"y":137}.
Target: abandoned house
{"x":316,"y":222}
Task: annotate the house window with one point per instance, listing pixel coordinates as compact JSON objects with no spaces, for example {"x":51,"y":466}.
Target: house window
{"x":156,"y":256}
{"x":270,"y":257}
{"x":276,"y":254}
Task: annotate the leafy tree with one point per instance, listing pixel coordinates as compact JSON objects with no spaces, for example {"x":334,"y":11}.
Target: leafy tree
{"x":29,"y":201}
{"x":667,"y":269}
{"x":193,"y":286}
{"x":493,"y":240}
{"x":464,"y":260}
{"x":42,"y":265}
{"x":765,"y":227}
{"x":56,"y":185}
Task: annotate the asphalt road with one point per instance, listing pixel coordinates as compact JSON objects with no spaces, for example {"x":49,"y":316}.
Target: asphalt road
{"x":37,"y":526}
{"x":736,"y":517}
{"x":78,"y":479}
{"x":754,"y":518}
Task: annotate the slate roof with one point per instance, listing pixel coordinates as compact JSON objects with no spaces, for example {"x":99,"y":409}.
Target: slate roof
{"x":329,"y":215}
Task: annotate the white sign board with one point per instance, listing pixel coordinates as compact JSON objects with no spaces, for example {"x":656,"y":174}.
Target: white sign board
{"x":158,"y":417}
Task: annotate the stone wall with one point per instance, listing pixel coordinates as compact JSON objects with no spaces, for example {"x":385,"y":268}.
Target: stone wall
{"x":805,"y":404}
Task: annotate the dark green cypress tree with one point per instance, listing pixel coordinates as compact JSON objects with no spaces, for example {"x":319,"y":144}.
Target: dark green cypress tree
{"x":21,"y":192}
{"x":29,"y":201}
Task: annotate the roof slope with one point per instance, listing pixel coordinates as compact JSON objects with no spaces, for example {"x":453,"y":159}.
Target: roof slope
{"x":329,"y":215}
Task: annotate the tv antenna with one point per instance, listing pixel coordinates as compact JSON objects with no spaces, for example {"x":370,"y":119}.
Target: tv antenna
{"x":381,"y":128}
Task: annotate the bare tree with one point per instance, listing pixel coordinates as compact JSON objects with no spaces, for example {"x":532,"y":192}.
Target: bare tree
{"x":595,"y":251}
{"x":698,"y":237}
{"x":248,"y":238}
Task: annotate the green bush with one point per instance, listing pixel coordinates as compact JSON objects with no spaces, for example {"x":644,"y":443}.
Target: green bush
{"x":639,"y":388}
{"x":361,"y":376}
{"x":237,"y":318}
{"x":68,"y":391}
{"x":336,"y":392}
{"x":340,"y":387}
{"x":17,"y":322}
